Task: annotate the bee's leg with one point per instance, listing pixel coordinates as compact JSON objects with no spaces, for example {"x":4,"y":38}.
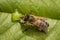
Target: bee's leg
{"x":39,"y":29}
{"x":43,"y":31}
{"x":28,"y":28}
{"x":22,"y":22}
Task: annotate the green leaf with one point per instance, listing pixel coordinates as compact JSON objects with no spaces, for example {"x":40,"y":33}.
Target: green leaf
{"x":15,"y":31}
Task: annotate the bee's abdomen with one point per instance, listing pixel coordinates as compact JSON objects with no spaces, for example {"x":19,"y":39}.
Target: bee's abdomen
{"x":41,"y":25}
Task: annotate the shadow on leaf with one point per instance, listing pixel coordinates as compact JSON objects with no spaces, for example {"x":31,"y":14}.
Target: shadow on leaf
{"x":32,"y":32}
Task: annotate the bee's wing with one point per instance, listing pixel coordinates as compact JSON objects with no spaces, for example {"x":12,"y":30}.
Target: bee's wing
{"x":43,"y":18}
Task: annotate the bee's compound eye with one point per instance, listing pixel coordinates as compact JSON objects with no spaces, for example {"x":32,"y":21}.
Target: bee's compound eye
{"x":26,"y":17}
{"x":31,"y":19}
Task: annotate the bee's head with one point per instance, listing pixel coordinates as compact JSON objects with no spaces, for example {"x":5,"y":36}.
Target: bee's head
{"x":28,"y":18}
{"x":24,"y":18}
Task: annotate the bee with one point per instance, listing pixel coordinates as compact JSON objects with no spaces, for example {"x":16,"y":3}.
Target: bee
{"x":38,"y":22}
